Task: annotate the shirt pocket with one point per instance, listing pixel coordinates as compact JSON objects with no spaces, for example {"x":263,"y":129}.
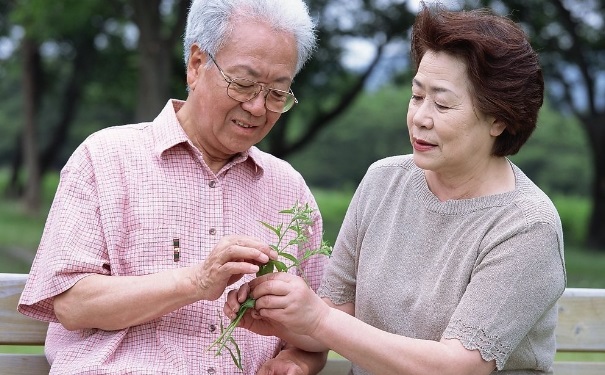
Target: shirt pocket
{"x":147,"y":251}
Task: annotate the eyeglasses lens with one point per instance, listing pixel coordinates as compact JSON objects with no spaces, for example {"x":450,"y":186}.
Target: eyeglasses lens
{"x":244,"y":90}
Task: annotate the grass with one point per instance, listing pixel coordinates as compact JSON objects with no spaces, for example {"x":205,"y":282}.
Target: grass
{"x":333,"y":206}
{"x":584,"y":268}
{"x":24,"y":349}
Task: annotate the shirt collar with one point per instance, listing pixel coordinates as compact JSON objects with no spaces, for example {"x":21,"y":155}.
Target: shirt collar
{"x":169,"y":133}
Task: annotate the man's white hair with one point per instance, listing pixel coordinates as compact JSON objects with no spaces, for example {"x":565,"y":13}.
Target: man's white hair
{"x":211,"y":22}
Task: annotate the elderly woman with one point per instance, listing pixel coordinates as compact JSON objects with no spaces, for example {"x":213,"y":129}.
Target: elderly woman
{"x":450,"y":260}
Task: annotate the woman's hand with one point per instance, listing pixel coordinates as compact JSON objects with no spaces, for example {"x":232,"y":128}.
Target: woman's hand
{"x":251,"y":321}
{"x":287,"y":301}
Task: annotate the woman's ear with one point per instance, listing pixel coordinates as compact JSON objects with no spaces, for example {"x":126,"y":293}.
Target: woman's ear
{"x":497,"y":127}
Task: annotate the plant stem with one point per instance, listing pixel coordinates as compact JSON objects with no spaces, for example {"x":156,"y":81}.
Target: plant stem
{"x":226,"y":334}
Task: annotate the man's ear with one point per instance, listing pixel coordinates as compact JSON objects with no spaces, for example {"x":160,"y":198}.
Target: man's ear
{"x":195,"y":64}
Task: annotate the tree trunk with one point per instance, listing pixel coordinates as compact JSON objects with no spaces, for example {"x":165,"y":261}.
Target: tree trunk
{"x":14,"y":188}
{"x":596,"y":229}
{"x":156,"y":45}
{"x":31,"y":67}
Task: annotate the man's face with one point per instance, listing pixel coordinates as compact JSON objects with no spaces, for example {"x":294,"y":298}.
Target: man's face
{"x":218,"y":124}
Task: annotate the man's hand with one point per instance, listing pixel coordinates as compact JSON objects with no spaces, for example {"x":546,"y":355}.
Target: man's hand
{"x":279,"y":366}
{"x":231,"y":258}
{"x":293,"y":361}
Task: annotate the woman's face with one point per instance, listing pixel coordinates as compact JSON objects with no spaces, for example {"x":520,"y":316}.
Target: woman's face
{"x":447,"y":133}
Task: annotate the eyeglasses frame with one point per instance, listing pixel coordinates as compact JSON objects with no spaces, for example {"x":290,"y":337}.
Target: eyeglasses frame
{"x":263,"y":87}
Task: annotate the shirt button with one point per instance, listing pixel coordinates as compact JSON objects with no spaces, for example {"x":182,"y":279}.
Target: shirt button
{"x":212,"y":231}
{"x":212,"y":328}
{"x":212,"y":184}
{"x":211,"y":370}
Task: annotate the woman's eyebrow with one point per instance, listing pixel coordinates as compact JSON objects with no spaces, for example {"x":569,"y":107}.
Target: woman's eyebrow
{"x":433,"y":89}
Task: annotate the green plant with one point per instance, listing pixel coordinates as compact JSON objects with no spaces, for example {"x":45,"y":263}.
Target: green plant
{"x":300,"y":222}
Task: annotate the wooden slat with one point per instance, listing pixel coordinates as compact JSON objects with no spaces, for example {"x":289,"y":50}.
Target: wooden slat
{"x":581,"y":327}
{"x":20,"y":364}
{"x":15,"y":328}
{"x":342,"y":367}
{"x":581,"y":324}
{"x":579,"y":368}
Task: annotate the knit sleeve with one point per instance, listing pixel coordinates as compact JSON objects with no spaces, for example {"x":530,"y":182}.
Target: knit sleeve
{"x":512,"y":291}
{"x":340,"y":279}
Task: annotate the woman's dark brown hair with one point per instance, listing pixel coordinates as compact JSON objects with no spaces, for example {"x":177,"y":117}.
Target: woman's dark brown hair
{"x":503,"y":68}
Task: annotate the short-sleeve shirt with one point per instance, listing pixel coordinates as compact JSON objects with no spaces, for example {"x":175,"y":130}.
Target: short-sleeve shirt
{"x":124,"y":196}
{"x":487,"y":271}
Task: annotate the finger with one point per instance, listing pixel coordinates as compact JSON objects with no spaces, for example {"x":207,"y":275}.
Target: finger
{"x":254,"y":283}
{"x":238,"y":268}
{"x":271,"y":302}
{"x":260,"y":250}
{"x":231,"y":304}
{"x":255,"y":314}
{"x":243,"y":292}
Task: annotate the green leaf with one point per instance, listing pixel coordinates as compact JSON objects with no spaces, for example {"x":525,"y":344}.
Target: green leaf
{"x":281,"y":266}
{"x":290,"y":257}
{"x":237,"y":356}
{"x":272,"y":228}
{"x":266,"y":268}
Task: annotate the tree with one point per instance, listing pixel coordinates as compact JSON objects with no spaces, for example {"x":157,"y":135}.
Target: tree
{"x":45,"y":24}
{"x":87,"y":38}
{"x":159,"y":34}
{"x":569,"y":38}
{"x":326,"y":86}
{"x":94,"y":61}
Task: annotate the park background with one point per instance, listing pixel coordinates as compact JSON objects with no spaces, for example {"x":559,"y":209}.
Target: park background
{"x":72,"y":67}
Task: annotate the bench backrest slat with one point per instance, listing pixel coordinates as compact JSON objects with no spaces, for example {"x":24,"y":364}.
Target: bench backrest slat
{"x":581,"y":324}
{"x":16,"y":328}
{"x":19,"y":364}
{"x":581,"y":327}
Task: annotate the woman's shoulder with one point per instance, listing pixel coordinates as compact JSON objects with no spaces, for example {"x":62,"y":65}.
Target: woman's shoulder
{"x":405,"y":162}
{"x":535,"y":204}
{"x":391,"y":174}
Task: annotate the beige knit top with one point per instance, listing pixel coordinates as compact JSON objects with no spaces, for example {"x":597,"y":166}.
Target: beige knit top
{"x":487,"y":271}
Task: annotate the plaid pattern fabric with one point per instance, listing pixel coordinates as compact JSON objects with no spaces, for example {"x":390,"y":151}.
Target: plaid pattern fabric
{"x":124,"y":195}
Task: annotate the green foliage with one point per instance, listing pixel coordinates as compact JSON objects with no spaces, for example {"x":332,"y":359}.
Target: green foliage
{"x":301,"y":219}
{"x":575,"y":213}
{"x":45,"y":20}
{"x":375,"y":127}
{"x":557,"y":156}
{"x":584,"y":267}
{"x":333,"y":206}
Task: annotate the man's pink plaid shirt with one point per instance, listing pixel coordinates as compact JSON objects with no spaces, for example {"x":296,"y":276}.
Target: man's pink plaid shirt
{"x":124,"y":195}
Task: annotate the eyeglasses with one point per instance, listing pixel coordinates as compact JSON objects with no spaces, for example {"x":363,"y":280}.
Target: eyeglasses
{"x":244,"y":90}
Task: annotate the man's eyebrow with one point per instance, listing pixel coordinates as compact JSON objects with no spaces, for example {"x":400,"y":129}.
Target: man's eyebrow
{"x":255,"y":74}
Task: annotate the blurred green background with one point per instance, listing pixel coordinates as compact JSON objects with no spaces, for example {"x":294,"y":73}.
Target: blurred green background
{"x":70,"y":68}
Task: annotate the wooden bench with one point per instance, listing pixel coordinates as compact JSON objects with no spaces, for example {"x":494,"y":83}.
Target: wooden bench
{"x":581,"y":328}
